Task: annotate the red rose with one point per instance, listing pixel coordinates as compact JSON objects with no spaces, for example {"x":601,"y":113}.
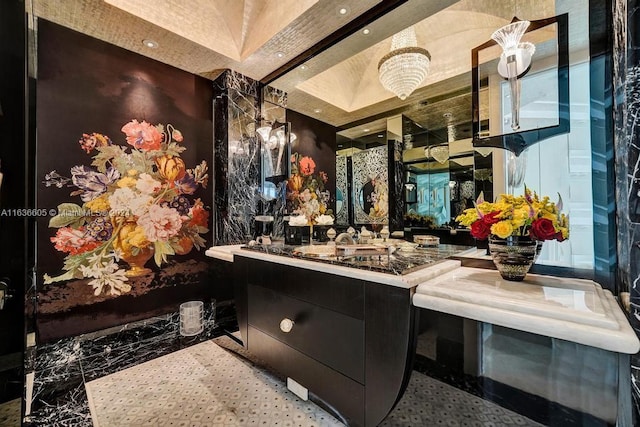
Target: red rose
{"x":542,"y":229}
{"x":490,"y":218}
{"x":480,"y":229}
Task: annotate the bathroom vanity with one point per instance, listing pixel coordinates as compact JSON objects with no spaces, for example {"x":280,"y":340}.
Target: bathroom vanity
{"x":345,"y":329}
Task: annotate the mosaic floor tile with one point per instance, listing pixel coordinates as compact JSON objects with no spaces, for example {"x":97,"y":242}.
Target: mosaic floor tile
{"x":10,"y":413}
{"x":201,"y":385}
{"x":208,"y":385}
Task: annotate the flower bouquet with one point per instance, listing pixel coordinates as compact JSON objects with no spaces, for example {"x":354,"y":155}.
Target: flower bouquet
{"x":306,"y":192}
{"x":516,"y":227}
{"x":135,"y":205}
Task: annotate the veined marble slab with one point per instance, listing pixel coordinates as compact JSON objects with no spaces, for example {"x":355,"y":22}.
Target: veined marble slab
{"x":224,"y":253}
{"x":571,"y":309}
{"x":407,"y":281}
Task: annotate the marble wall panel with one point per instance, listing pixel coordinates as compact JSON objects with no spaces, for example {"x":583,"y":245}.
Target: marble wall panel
{"x":237,"y":157}
{"x":396,"y":187}
{"x":342,"y":191}
{"x":61,"y":368}
{"x":626,"y":69}
{"x":274,"y":96}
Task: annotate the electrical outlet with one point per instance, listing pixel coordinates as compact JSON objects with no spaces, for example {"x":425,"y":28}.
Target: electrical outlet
{"x":297,"y":389}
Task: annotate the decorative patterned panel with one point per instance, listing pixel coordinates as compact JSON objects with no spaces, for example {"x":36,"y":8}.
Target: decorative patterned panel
{"x":371,"y":185}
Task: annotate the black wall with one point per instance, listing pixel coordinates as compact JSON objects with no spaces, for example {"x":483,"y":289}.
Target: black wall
{"x":13,"y":194}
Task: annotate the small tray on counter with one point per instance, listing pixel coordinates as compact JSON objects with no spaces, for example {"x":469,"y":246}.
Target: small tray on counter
{"x":362,"y":250}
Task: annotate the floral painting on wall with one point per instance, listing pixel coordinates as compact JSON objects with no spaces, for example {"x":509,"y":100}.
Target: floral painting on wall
{"x":136,"y":205}
{"x":124,"y":150}
{"x":306,"y":193}
{"x":312,"y":178}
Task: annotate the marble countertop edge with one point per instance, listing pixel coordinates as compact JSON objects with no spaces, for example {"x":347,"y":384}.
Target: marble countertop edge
{"x":473,"y":296}
{"x":224,"y":253}
{"x":406,"y":281}
{"x":622,"y":340}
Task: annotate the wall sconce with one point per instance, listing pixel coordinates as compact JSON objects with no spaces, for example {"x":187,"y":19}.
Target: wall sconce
{"x":515,"y":61}
{"x":275,"y":139}
{"x":551,"y":36}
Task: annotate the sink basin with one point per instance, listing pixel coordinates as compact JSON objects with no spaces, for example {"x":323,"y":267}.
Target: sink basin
{"x":316,"y":250}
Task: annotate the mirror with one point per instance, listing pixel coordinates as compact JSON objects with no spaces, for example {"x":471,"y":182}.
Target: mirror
{"x":362,"y":174}
{"x":532,"y":104}
{"x":340,"y":87}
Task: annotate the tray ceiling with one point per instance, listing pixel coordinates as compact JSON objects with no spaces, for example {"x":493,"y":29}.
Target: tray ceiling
{"x":204,"y":37}
{"x":339,"y":86}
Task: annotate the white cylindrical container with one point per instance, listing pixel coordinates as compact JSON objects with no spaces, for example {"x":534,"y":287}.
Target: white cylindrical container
{"x":191,"y":318}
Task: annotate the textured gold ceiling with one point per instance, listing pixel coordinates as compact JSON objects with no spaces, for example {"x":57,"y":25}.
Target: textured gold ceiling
{"x":234,"y":28}
{"x":207,"y":36}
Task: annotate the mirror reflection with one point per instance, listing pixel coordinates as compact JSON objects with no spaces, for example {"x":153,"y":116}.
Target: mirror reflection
{"x":417,"y":149}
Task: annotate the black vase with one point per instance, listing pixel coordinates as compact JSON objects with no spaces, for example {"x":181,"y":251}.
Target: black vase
{"x":514,"y":256}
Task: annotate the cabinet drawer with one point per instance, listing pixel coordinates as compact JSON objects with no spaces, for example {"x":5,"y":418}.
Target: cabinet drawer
{"x":340,"y":393}
{"x":332,"y":338}
{"x":342,"y":294}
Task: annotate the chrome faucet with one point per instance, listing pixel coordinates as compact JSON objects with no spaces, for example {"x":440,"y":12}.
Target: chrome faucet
{"x":345,"y":236}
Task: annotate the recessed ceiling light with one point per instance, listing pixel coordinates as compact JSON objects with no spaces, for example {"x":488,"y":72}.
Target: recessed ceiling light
{"x":152,"y":44}
{"x":280,"y":54}
{"x":366,"y":31}
{"x":380,"y":135}
{"x":303,"y":67}
{"x":317,"y":110}
{"x":343,"y":11}
{"x":366,"y":130}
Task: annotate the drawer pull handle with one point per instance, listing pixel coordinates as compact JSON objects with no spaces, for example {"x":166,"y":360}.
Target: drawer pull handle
{"x":286,"y":325}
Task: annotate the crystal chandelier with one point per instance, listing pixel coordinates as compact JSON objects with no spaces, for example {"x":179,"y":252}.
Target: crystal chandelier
{"x":403,"y":69}
{"x":515,"y":61}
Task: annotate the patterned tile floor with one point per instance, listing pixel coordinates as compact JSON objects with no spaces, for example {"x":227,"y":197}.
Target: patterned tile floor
{"x":208,"y":385}
{"x":10,"y":413}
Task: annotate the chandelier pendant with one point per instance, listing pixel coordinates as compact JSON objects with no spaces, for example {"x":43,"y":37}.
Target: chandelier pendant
{"x":406,"y":66}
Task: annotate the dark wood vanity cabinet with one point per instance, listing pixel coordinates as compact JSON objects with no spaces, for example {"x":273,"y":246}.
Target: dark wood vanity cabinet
{"x":351,"y":342}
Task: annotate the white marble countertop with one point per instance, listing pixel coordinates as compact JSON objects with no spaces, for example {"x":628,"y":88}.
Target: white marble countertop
{"x":224,"y":253}
{"x":410,"y":280}
{"x":570,"y":309}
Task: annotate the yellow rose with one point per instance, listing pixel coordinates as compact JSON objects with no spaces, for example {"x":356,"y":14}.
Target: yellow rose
{"x":170,"y":167}
{"x":127,"y":181}
{"x":550,"y":216}
{"x":132,"y":172}
{"x":502,"y":229}
{"x":520,"y":216}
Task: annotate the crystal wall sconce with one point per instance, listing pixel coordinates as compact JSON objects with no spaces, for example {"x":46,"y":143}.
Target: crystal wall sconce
{"x":526,"y":115}
{"x":515,"y":61}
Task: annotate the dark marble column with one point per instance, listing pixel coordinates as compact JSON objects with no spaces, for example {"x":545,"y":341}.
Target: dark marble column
{"x":396,"y":186}
{"x":626,"y":68}
{"x":273,"y":108}
{"x":236,"y":157}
